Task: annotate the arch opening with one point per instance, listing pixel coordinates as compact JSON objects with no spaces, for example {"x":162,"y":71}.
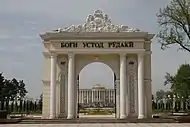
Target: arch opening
{"x":96,"y":90}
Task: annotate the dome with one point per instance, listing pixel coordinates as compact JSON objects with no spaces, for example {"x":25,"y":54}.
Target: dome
{"x":98,"y":86}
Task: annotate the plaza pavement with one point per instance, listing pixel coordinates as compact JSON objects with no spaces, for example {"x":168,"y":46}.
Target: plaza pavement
{"x":101,"y":125}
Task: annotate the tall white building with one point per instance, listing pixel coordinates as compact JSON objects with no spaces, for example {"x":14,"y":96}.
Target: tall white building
{"x":98,"y":93}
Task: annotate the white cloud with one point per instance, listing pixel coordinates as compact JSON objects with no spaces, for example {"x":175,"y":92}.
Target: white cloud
{"x":2,"y":49}
{"x":11,"y":60}
{"x":16,"y":63}
{"x":34,"y":28}
{"x":20,"y":49}
{"x":25,"y":37}
{"x":35,"y":45}
{"x":32,"y":22}
{"x":4,"y":37}
{"x":26,"y":46}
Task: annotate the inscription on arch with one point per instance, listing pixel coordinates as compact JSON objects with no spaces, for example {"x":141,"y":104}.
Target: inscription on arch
{"x":97,"y":45}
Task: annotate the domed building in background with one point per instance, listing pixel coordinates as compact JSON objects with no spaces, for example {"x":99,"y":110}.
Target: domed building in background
{"x":98,"y":94}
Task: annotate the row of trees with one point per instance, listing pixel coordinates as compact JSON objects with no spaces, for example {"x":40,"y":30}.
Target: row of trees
{"x":11,"y":90}
{"x":23,"y":106}
{"x":180,"y":86}
{"x":174,"y":24}
{"x":180,"y":82}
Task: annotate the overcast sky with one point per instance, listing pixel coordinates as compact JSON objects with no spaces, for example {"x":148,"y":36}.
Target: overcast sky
{"x":21,"y":21}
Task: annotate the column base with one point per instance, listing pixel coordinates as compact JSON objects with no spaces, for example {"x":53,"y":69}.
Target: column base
{"x":62,"y":116}
{"x":149,"y":116}
{"x":70,"y":117}
{"x":123,"y":117}
{"x":52,"y":117}
{"x":141,"y":117}
{"x":117,"y":116}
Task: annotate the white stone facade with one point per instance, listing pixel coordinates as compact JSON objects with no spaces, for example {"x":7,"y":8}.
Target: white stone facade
{"x":126,"y":51}
{"x":96,"y":94}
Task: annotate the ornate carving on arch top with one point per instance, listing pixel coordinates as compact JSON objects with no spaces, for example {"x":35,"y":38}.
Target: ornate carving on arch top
{"x":97,"y":22}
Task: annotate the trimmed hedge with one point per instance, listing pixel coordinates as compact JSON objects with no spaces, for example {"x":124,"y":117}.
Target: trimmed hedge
{"x":3,"y":114}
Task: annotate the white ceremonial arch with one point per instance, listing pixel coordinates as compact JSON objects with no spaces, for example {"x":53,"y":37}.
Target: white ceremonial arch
{"x":125,"y":50}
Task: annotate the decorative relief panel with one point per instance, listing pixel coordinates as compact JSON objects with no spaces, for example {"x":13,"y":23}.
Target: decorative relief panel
{"x":98,"y":22}
{"x":63,"y":63}
{"x":62,"y":97}
{"x":132,"y":81}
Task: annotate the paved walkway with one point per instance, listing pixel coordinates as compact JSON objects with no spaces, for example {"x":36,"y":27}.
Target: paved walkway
{"x":97,"y":116}
{"x":101,"y":125}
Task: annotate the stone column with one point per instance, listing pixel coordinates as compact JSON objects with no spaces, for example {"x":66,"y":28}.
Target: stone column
{"x":117,"y":99}
{"x":104,"y":95}
{"x":71,"y":89}
{"x":92,"y":95}
{"x":122,"y":86}
{"x":141,"y":95}
{"x":82,"y":94}
{"x":109,"y":95}
{"x":99,"y":95}
{"x":53,"y":87}
{"x":87,"y":96}
{"x":148,"y":85}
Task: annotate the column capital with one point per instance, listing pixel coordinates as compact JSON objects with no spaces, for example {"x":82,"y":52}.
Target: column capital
{"x":122,"y":54}
{"x":141,"y":54}
{"x":53,"y":55}
{"x":71,"y":55}
{"x":148,"y":52}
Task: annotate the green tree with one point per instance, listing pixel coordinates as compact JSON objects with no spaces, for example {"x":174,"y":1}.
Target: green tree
{"x":11,"y":89}
{"x":180,"y":82}
{"x":40,"y":102}
{"x":21,"y":89}
{"x":2,"y":82}
{"x":168,"y":93}
{"x":160,"y":95}
{"x":174,"y":23}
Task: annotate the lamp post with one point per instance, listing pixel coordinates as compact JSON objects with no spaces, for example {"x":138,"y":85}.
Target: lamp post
{"x":6,"y":104}
{"x":164,"y":101}
{"x":171,"y":98}
{"x":182,"y":103}
{"x":178,"y":100}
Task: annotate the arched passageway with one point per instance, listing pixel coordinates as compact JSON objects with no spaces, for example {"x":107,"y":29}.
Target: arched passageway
{"x":96,"y":90}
